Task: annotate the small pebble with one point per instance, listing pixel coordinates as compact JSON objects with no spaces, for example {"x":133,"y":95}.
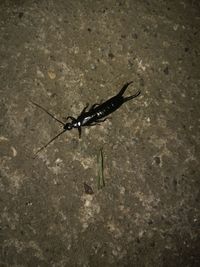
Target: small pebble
{"x":21,"y":14}
{"x":166,"y":70}
{"x":14,"y":151}
{"x":51,"y":74}
{"x":157,"y":160}
{"x":88,"y":189}
{"x":93,"y":66}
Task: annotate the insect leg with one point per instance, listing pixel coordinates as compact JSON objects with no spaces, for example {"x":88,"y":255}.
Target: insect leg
{"x":93,"y":124}
{"x":93,"y":106}
{"x":79,"y":132}
{"x":84,"y":109}
{"x":102,"y":120}
{"x":97,"y":122}
{"x":69,"y":117}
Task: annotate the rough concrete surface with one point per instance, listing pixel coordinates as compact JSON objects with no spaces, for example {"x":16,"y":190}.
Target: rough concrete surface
{"x":62,"y":55}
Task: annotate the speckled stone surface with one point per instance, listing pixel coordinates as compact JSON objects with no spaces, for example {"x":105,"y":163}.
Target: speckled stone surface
{"x":62,"y":55}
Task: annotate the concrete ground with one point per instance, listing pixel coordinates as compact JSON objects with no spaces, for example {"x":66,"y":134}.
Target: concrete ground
{"x":62,"y":55}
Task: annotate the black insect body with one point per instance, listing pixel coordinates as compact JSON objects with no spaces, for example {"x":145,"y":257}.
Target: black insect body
{"x":95,"y":115}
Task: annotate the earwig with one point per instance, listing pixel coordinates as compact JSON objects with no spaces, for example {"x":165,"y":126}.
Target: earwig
{"x":96,"y":114}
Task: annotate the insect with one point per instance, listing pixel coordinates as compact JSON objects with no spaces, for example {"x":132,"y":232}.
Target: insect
{"x":96,"y":114}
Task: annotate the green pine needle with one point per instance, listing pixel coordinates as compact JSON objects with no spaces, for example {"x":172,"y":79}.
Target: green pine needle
{"x":100,"y":176}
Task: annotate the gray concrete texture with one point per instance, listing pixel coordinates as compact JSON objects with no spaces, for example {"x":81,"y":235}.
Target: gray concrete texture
{"x":62,"y":55}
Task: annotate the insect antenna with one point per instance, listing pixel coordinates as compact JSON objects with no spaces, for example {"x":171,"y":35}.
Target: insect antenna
{"x":55,"y":137}
{"x":47,"y":112}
